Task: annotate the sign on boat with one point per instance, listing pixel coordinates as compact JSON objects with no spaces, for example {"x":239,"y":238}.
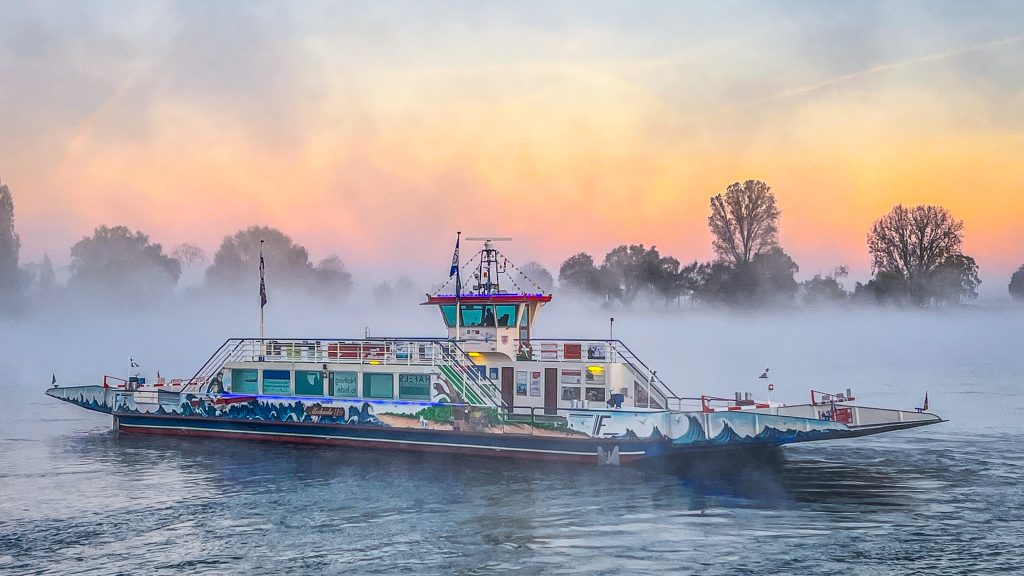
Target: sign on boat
{"x":490,"y":387}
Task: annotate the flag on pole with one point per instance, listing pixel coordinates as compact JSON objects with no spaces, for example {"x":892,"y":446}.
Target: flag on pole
{"x":53,"y":381}
{"x":454,"y":271}
{"x":925,"y":407}
{"x":263,"y":283}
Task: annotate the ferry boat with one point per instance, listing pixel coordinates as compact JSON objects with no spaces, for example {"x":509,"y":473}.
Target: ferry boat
{"x":491,"y":387}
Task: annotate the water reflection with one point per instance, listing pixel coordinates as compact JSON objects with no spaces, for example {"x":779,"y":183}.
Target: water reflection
{"x":763,"y":478}
{"x":95,"y":498}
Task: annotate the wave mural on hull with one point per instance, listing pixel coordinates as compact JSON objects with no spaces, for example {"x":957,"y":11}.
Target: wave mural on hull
{"x":729,"y":428}
{"x":681,"y":429}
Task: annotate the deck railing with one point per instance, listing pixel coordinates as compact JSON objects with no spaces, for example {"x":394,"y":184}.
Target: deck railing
{"x":450,"y":360}
{"x":651,"y":391}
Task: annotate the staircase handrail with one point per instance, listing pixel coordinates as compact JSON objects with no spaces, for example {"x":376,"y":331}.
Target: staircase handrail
{"x":664,"y":388}
{"x":216,"y":361}
{"x":628,"y":357}
{"x":482,"y":385}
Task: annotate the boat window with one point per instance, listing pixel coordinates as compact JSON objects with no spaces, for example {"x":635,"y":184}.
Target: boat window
{"x":378,"y":385}
{"x":477,"y":315}
{"x":640,"y":397}
{"x":344,"y":384}
{"x":309,"y":383}
{"x":414,"y":386}
{"x":277,"y":382}
{"x":448,"y":312}
{"x":245,"y":382}
{"x":506,"y":314}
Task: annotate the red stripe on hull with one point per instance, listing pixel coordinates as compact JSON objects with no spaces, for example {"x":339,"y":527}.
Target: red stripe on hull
{"x":368,"y":444}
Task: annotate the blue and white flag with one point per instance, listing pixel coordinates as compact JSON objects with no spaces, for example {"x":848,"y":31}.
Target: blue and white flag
{"x":263,"y":283}
{"x":455,"y":259}
{"x":454,"y":271}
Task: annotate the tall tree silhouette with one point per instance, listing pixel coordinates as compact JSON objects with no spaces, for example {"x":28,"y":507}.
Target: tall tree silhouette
{"x":235,"y":263}
{"x":10,"y":247}
{"x":1016,"y":286}
{"x":744,"y":222}
{"x":117,"y":261}
{"x":922,"y":247}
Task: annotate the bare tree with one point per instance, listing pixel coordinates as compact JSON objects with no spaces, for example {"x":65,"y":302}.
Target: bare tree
{"x":744,"y":222}
{"x":913,"y":242}
{"x":917,"y":253}
{"x":188,"y":255}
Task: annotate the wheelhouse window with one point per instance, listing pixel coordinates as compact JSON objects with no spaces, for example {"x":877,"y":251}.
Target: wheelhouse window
{"x":309,"y":383}
{"x":485,"y":315}
{"x":245,"y":382}
{"x":376,"y":385}
{"x":477,"y":315}
{"x":344,"y":384}
{"x":414,"y":386}
{"x":277,"y":382}
{"x":506,"y":314}
{"x":448,"y":312}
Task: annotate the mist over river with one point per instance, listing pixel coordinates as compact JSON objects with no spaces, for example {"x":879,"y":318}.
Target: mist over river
{"x":77,"y":499}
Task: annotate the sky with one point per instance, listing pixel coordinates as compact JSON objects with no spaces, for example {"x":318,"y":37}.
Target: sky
{"x":375,"y":130}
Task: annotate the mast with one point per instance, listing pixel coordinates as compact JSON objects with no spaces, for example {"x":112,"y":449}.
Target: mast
{"x":497,"y":307}
{"x":457,"y":264}
{"x":458,"y":288}
{"x":263,"y":294}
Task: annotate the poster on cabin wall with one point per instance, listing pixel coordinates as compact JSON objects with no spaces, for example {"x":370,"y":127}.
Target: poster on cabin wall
{"x":572,"y":351}
{"x":534,"y":383}
{"x":549,"y":351}
{"x":596,"y":352}
{"x":493,"y":373}
{"x":572,"y":376}
{"x":521,"y":383}
{"x":595,"y":376}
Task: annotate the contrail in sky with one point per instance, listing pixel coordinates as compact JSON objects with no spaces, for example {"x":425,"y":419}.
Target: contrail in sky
{"x":876,"y":70}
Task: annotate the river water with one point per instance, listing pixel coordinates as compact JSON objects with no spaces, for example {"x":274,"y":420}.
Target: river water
{"x":77,"y":499}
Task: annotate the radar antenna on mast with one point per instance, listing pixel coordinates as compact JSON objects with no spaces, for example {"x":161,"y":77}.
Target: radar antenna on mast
{"x":489,"y":269}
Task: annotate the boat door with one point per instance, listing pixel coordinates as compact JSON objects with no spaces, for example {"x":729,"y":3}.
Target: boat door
{"x":508,"y":383}
{"x":550,"y":390}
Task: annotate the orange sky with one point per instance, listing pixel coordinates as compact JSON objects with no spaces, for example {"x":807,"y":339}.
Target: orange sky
{"x":565,"y":135}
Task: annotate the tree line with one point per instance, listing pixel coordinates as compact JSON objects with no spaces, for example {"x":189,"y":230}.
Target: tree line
{"x":125,"y":265}
{"x":916,"y":253}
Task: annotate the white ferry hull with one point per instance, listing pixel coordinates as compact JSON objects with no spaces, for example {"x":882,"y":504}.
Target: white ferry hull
{"x":589,"y":436}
